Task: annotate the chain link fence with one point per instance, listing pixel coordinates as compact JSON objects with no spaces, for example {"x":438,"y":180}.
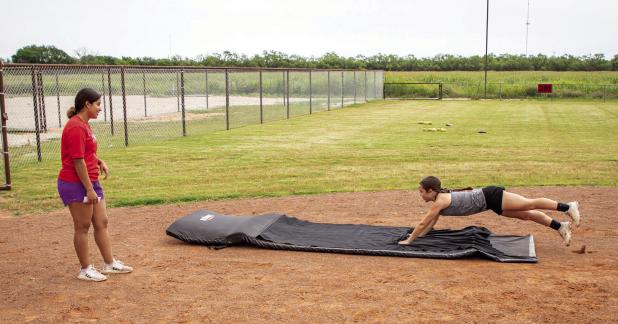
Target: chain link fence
{"x":141,"y":104}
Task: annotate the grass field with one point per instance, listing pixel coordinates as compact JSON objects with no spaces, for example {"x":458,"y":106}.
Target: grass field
{"x":514,"y":84}
{"x":369,"y":147}
{"x":597,"y":77}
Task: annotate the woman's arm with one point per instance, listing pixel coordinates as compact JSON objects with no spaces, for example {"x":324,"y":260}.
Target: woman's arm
{"x":82,"y":173}
{"x":429,"y":227}
{"x":424,"y":225}
{"x":430,"y":219}
{"x":103,"y":169}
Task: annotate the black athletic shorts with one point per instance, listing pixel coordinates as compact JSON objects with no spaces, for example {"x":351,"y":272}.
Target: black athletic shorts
{"x":493,"y":198}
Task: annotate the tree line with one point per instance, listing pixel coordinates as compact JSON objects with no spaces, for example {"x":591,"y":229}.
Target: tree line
{"x":388,"y":62}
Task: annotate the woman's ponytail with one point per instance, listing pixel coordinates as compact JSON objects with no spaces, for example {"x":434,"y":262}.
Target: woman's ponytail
{"x":71,"y":112}
{"x":458,"y":189}
{"x":433,"y":183}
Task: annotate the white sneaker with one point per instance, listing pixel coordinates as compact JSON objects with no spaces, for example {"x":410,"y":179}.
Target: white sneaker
{"x":565,"y":232}
{"x":573,"y":212}
{"x":116,"y":267}
{"x":91,"y":274}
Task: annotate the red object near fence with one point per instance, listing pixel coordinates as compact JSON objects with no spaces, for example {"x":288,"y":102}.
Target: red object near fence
{"x":544,"y":88}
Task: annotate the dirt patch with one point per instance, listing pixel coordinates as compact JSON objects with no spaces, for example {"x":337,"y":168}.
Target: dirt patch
{"x":174,"y":281}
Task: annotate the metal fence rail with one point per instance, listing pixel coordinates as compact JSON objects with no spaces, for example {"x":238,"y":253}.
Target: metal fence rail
{"x":145,"y":103}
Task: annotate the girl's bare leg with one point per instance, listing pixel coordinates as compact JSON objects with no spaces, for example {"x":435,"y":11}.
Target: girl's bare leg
{"x":82,"y":217}
{"x":101,"y":235}
{"x":515,"y":202}
{"x":532,"y":215}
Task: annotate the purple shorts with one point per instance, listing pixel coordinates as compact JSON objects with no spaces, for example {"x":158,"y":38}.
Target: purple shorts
{"x":75,"y":191}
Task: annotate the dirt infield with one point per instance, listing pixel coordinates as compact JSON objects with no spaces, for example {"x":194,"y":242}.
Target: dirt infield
{"x":177,"y":282}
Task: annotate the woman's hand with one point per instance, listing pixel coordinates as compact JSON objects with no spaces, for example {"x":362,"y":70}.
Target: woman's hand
{"x":103,"y":169}
{"x":92,"y":197}
{"x":407,"y":241}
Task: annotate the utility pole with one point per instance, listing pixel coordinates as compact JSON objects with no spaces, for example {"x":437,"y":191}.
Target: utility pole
{"x":527,"y":26}
{"x":486,"y":41}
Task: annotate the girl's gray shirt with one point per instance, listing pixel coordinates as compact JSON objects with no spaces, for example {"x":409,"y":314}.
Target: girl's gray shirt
{"x":464,"y":203}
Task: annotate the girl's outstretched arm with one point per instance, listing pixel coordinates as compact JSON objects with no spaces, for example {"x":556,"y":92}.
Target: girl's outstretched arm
{"x":429,"y":227}
{"x":425,"y":225}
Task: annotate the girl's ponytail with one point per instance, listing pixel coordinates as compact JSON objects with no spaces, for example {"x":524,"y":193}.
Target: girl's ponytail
{"x":71,"y":112}
{"x":433,"y":183}
{"x":458,"y":189}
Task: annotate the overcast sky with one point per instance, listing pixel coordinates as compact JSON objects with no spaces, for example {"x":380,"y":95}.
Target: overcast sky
{"x":311,"y":27}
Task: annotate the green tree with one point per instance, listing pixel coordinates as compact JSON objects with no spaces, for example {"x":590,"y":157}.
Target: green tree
{"x":98,"y":60}
{"x":614,"y":63}
{"x":595,"y":62}
{"x":42,"y":54}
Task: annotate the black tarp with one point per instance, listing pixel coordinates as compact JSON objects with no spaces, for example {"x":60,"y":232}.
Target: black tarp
{"x":279,"y":231}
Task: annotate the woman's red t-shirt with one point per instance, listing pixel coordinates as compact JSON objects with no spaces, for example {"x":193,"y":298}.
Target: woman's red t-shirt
{"x":78,"y":141}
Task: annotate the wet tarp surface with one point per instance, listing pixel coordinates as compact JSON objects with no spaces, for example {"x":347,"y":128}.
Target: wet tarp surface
{"x":279,"y":231}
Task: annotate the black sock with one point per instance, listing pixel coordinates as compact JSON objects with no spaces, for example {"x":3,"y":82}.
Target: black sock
{"x":562,"y":207}
{"x":555,"y":225}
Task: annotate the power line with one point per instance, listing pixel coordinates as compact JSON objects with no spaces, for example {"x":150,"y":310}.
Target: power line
{"x":527,"y":25}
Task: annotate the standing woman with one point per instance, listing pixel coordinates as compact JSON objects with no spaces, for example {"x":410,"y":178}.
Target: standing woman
{"x":463,"y":203}
{"x":79,"y":187}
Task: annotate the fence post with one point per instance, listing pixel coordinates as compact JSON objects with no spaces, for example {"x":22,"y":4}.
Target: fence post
{"x":227,"y":101}
{"x":102,"y":97}
{"x":283,"y":86}
{"x":365,"y":87}
{"x":182,"y":102}
{"x":375,"y":86}
{"x":111,"y":107}
{"x":206,"y":89}
{"x":42,"y":111}
{"x":38,"y":99}
{"x":36,"y":114}
{"x":604,"y":88}
{"x":58,"y":100}
{"x":261,"y":103}
{"x":124,"y":107}
{"x":177,"y":91}
{"x":342,"y":88}
{"x":287,"y":92}
{"x":354,"y":87}
{"x":5,"y":140}
{"x":144,"y":82}
{"x":310,"y":95}
{"x":328,"y":81}
{"x":440,"y":89}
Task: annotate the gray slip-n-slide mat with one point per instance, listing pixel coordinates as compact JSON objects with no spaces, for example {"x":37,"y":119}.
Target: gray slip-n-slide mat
{"x":282,"y":232}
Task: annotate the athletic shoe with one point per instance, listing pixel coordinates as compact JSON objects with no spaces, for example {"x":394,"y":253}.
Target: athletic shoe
{"x":116,"y":267}
{"x":573,"y":212}
{"x":91,"y":274}
{"x":565,"y":232}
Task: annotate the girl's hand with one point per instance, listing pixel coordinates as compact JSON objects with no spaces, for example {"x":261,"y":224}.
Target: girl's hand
{"x":92,"y":197}
{"x":103,"y":169}
{"x":407,"y":241}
